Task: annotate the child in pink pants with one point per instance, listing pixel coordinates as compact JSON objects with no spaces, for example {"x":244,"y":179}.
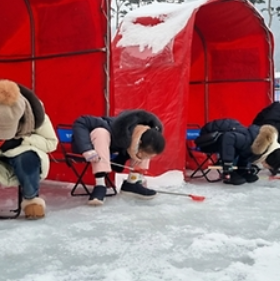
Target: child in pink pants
{"x":134,"y":135}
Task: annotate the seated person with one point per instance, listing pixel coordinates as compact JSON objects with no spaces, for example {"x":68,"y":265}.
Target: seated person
{"x":254,"y":144}
{"x":133,"y":134}
{"x":26,"y":136}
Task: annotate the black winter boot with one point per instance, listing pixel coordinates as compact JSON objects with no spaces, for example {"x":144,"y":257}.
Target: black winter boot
{"x":248,"y":175}
{"x":234,"y":178}
{"x":250,"y":178}
{"x":137,"y":190}
{"x":97,"y":197}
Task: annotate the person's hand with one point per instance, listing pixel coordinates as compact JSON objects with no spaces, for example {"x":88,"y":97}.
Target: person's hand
{"x":136,"y":162}
{"x":92,"y":156}
{"x":254,"y":169}
{"x":133,"y":153}
{"x":227,"y":168}
{"x":133,"y":149}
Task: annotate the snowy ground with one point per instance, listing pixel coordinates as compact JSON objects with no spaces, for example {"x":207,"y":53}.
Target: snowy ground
{"x":234,"y":235}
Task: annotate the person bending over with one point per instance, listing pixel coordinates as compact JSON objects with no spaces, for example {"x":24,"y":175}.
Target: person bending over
{"x":134,"y":135}
{"x":242,"y":146}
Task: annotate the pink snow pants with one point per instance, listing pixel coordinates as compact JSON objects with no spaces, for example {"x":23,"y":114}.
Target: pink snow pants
{"x":101,"y":140}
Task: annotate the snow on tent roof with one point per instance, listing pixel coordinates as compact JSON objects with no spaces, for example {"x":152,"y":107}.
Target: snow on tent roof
{"x":171,"y":20}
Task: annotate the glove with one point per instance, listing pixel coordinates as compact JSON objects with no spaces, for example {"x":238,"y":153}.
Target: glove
{"x":254,"y":169}
{"x":227,"y":168}
{"x":91,"y":156}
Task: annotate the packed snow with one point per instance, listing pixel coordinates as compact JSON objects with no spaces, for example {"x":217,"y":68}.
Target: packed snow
{"x":173,"y":18}
{"x":233,"y":235}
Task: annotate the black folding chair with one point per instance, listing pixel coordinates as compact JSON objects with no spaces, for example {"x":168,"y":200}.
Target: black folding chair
{"x":16,"y":212}
{"x":199,"y":158}
{"x":73,"y":160}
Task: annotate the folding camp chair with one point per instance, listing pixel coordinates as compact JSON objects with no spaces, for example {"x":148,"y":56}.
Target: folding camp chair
{"x":201,"y":160}
{"x":64,"y":133}
{"x":16,"y":212}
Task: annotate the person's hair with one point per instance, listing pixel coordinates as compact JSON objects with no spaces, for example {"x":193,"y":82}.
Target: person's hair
{"x":152,"y":142}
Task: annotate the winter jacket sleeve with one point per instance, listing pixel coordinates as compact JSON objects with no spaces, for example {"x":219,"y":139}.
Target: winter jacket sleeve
{"x":270,"y":115}
{"x":232,"y":143}
{"x":43,"y":138}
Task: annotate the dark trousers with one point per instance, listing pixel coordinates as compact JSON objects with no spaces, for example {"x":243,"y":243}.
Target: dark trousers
{"x":27,"y":168}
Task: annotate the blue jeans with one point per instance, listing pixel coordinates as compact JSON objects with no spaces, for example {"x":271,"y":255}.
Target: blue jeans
{"x":27,"y":168}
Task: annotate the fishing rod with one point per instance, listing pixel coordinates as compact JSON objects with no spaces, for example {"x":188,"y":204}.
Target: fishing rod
{"x":144,"y":172}
{"x":192,"y":196}
{"x":255,"y":170}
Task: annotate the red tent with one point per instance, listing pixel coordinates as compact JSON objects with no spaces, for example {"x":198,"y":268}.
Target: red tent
{"x":60,"y":49}
{"x":218,"y":64}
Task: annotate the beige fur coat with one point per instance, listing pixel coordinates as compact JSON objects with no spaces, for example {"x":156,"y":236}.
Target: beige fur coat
{"x":42,"y":141}
{"x":265,"y":142}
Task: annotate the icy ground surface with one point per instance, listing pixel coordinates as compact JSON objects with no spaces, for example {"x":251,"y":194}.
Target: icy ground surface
{"x":234,"y":235}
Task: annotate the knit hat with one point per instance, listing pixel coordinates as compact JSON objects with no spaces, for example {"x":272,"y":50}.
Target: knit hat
{"x":273,"y":159}
{"x":12,"y":107}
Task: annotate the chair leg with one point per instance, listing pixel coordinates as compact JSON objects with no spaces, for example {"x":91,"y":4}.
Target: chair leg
{"x":16,"y":211}
{"x":112,"y":185}
{"x":204,"y":173}
{"x":80,"y":181}
{"x":200,"y":169}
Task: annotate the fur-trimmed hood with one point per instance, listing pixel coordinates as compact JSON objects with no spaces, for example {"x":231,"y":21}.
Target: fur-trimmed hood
{"x":265,"y":143}
{"x":36,"y":105}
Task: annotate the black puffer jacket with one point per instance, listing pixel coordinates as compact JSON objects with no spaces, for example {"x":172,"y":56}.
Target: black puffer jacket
{"x":235,"y":141}
{"x":270,"y":115}
{"x":120,"y":128}
{"x":123,"y":125}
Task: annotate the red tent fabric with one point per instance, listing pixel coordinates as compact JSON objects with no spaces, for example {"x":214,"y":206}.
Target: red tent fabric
{"x":220,"y":64}
{"x":59,"y":49}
